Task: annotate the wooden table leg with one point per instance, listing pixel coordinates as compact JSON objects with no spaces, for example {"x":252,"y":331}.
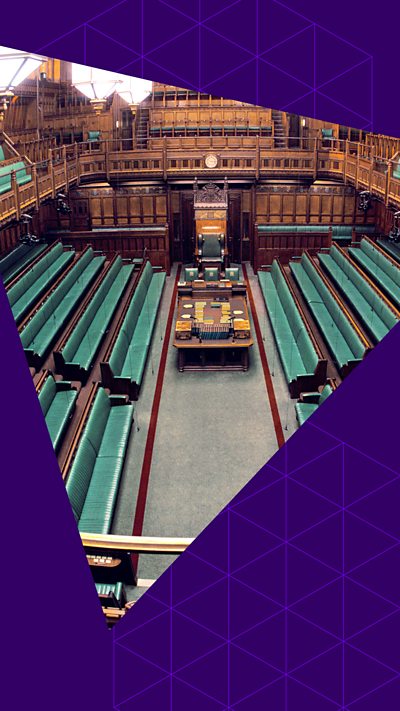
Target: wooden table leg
{"x":181,"y":360}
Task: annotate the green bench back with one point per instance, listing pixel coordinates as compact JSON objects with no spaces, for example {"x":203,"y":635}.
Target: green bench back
{"x":338,"y":316}
{"x":48,"y":307}
{"x":33,"y":275}
{"x":300,"y":334}
{"x":82,"y":468}
{"x":125,"y":335}
{"x":47,"y":394}
{"x":387,"y":266}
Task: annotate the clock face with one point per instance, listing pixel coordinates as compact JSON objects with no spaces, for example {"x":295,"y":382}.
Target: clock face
{"x":211,"y":160}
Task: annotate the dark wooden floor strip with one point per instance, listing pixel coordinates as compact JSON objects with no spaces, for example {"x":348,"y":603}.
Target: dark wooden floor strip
{"x":148,"y":453}
{"x":267,"y":374}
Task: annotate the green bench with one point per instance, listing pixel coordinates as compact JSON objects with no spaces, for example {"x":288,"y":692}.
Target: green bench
{"x":15,"y":261}
{"x":302,"y":365}
{"x":391,"y":248}
{"x":57,"y":400}
{"x":293,"y":228}
{"x":375,"y":314}
{"x":123,"y":368}
{"x":2,"y":156}
{"x":21,"y":176}
{"x":345,"y":343}
{"x":310,"y":402}
{"x":379,"y":267}
{"x":52,"y":315}
{"x":111,"y":594}
{"x":75,"y":358}
{"x":94,"y":477}
{"x":29,"y":288}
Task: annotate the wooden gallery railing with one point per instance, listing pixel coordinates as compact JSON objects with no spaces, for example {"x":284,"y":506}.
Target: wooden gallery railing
{"x":113,"y":160}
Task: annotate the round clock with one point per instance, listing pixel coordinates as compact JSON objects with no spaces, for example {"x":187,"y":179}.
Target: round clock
{"x":211,"y":160}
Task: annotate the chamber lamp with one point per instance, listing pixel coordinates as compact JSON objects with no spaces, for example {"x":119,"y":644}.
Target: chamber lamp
{"x":15,"y":66}
{"x":134,"y":91}
{"x":96,"y":84}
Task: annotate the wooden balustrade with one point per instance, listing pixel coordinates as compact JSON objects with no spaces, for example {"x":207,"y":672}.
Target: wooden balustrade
{"x":69,"y":165}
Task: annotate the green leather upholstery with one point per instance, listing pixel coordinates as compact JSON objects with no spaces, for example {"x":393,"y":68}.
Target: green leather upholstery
{"x":15,"y":261}
{"x":20,"y":174}
{"x":114,"y":591}
{"x":327,"y":132}
{"x":210,"y":246}
{"x":51,"y":317}
{"x":379,"y":268}
{"x":211,"y":274}
{"x":372,"y":310}
{"x":2,"y":157}
{"x":93,"y":135}
{"x":94,"y":478}
{"x":305,"y":409}
{"x":129,"y":355}
{"x":82,"y":345}
{"x":296,"y":349}
{"x":27,"y":291}
{"x":57,"y":400}
{"x":190,"y":273}
{"x":232,"y":273}
{"x":343,"y":341}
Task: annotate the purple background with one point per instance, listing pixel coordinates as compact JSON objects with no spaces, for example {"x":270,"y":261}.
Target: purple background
{"x":303,"y":614}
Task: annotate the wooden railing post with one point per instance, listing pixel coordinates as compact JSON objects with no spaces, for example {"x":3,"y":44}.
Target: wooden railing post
{"x":107,"y":156}
{"x":64,"y":155}
{"x":15,"y":189}
{"x":51,"y":171}
{"x":164,"y":158}
{"x":357,"y":165}
{"x":315,"y":171}
{"x":77,"y":165}
{"x":388,"y":179}
{"x":257,"y":157}
{"x":346,"y":152}
{"x":36,"y":186}
{"x":371,"y":167}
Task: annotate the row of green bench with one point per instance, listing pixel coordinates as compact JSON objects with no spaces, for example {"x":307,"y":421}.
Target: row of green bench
{"x":368,"y":303}
{"x":111,"y":594}
{"x":339,"y":232}
{"x":76,"y":355}
{"x":382,"y":269}
{"x":57,"y":400}
{"x":22,"y":177}
{"x":310,"y":402}
{"x":40,"y":332}
{"x":302,"y":361}
{"x":27,"y":290}
{"x":346,"y":343}
{"x":230,"y":130}
{"x":14,"y":262}
{"x":94,"y":476}
{"x":123,"y":366}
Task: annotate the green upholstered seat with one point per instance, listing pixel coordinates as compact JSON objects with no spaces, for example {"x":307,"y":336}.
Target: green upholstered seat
{"x":128,"y":358}
{"x":372,"y":310}
{"x":2,"y":157}
{"x":78,"y":353}
{"x":15,"y":261}
{"x":27,"y":290}
{"x":57,"y":400}
{"x":296,"y":349}
{"x":327,"y":132}
{"x":211,"y":274}
{"x":93,"y":135}
{"x":94,"y":478}
{"x":21,"y":175}
{"x":210,"y":246}
{"x":115,"y":592}
{"x":46,"y":324}
{"x":379,"y":268}
{"x":342,"y":339}
{"x":190,"y":273}
{"x":232,"y":273}
{"x":306,"y":408}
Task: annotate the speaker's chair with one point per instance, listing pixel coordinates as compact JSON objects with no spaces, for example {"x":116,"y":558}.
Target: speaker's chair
{"x":211,"y":250}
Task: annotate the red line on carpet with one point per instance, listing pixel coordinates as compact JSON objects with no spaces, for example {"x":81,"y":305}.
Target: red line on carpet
{"x":264,"y":362}
{"x":148,"y":453}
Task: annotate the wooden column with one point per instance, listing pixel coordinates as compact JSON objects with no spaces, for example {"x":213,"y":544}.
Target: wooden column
{"x":15,"y":189}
